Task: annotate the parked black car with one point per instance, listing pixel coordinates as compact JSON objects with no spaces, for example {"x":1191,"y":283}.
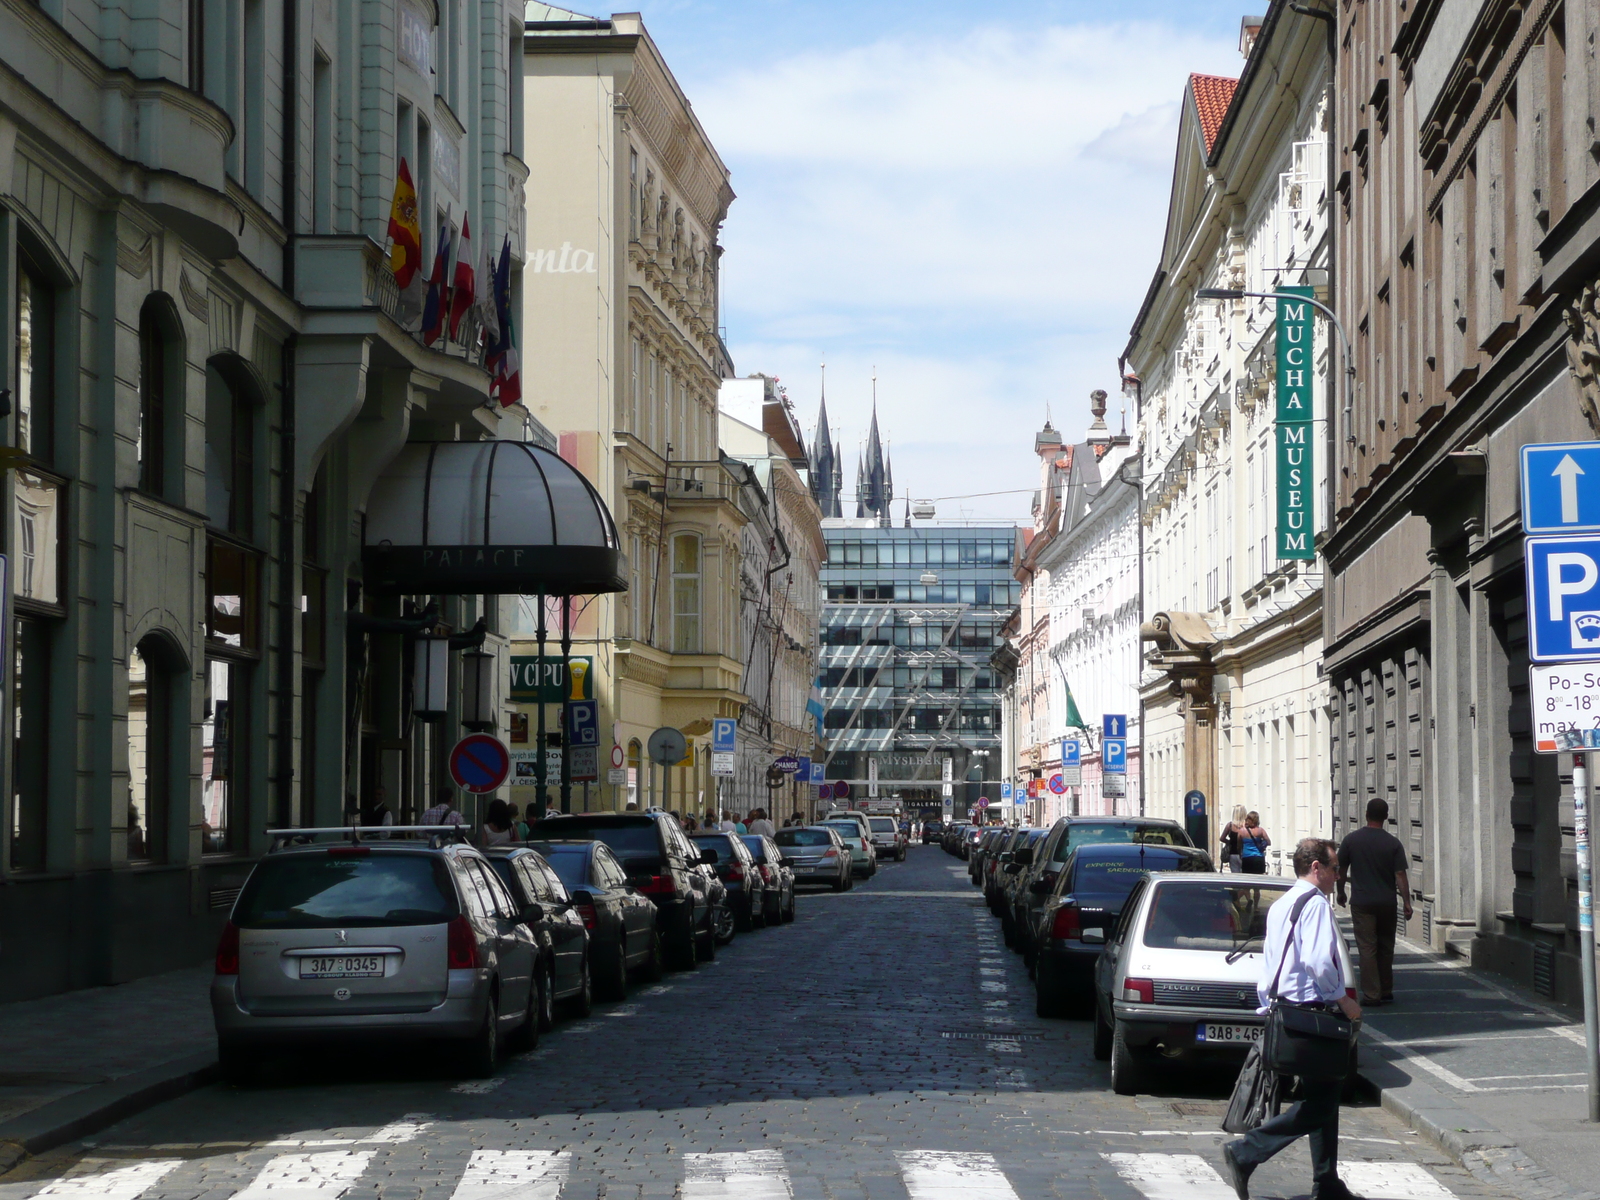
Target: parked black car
{"x":737,"y":869}
{"x":1007,"y":882}
{"x":778,"y":874}
{"x":932,"y":831}
{"x":1041,"y":862}
{"x":557,"y":928}
{"x":1090,"y":891}
{"x":661,"y":863}
{"x":623,"y":938}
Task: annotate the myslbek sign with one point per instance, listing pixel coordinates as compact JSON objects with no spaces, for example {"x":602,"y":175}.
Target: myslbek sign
{"x":1294,"y":425}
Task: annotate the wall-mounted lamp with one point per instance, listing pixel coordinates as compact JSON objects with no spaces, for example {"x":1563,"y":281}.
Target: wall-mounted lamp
{"x":477,"y":690}
{"x":430,"y":678}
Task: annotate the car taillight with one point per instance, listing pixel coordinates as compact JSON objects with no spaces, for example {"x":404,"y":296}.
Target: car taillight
{"x":586,"y":911}
{"x":1066,"y":924}
{"x":462,"y":951}
{"x":228,"y":950}
{"x":735,"y":874}
{"x":767,"y":873}
{"x":1140,"y":991}
{"x":830,"y":852}
{"x":658,"y":885}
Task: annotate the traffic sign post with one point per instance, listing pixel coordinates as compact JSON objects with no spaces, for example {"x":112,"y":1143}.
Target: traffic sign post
{"x":479,"y":763}
{"x":1114,"y":756}
{"x":1057,"y":784}
{"x":1561,"y":555}
{"x":724,"y":735}
{"x":1114,"y":725}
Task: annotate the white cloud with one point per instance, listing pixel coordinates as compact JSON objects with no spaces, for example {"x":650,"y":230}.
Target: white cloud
{"x":979,"y":216}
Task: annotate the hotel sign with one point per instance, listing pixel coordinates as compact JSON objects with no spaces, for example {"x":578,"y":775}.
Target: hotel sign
{"x":1294,"y":330}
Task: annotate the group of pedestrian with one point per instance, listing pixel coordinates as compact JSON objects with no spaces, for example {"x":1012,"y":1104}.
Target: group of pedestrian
{"x":1244,"y":843}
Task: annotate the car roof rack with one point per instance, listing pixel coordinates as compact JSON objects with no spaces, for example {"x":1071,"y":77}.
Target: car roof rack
{"x":437,"y":836}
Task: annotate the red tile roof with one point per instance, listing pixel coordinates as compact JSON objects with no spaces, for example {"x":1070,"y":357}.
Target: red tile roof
{"x":1212,"y":94}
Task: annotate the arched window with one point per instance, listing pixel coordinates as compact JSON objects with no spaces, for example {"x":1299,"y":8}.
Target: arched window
{"x":153,"y":716}
{"x":685,"y":594}
{"x":160,"y":391}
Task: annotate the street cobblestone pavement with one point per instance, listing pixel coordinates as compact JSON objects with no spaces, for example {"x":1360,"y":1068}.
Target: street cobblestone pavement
{"x":883,"y":1047}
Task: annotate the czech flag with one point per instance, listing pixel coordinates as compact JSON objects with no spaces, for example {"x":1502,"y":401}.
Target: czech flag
{"x":433,"y":309}
{"x":464,"y":293}
{"x":405,"y":230}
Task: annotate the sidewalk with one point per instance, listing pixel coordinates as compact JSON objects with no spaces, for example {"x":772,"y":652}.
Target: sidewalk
{"x":1491,"y":1072}
{"x":77,"y":1062}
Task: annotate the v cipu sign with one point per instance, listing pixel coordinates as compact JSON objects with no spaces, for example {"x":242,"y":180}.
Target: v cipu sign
{"x":1294,"y":331}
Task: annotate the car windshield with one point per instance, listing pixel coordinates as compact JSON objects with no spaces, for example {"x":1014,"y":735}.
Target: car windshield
{"x":634,"y":838}
{"x":883,"y":824}
{"x":847,"y":829}
{"x":1115,"y":876}
{"x":571,"y":865}
{"x":753,"y":841}
{"x":314,"y":891}
{"x":1208,"y":916}
{"x":802,"y":837}
{"x":715,"y":841}
{"x":1102,"y":833}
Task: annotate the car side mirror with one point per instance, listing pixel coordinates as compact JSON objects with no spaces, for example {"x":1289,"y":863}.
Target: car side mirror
{"x":1038,"y":887}
{"x":708,"y":856}
{"x":1012,"y":868}
{"x":533,"y":914}
{"x":1024,"y":856}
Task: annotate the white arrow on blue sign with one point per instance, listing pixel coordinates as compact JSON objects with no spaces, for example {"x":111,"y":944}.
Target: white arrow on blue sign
{"x":1114,"y":725}
{"x":1561,"y":487}
{"x":1114,"y":756}
{"x":1563,"y":598}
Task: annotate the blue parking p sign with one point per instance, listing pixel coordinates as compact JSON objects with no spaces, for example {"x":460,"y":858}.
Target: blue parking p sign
{"x":1071,"y":752}
{"x":1563,"y":598}
{"x":724,"y":735}
{"x":1114,"y":756}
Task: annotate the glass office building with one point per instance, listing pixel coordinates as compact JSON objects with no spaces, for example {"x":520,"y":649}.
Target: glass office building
{"x":910,"y":619}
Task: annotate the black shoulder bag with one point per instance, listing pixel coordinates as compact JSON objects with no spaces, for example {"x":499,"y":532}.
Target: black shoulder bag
{"x":1310,"y":1042}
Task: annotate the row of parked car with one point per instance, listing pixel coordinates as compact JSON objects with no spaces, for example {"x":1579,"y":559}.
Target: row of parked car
{"x":1123,"y":921}
{"x":410,"y":933}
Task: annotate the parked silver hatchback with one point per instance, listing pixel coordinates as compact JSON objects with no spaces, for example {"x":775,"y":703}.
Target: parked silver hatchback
{"x":378,"y":941}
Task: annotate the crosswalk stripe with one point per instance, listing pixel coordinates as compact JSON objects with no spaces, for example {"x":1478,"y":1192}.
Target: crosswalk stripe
{"x":739,"y":1175}
{"x":122,"y":1183}
{"x":1392,"y":1181}
{"x":953,"y":1175}
{"x":1171,"y":1176}
{"x":324,"y":1176}
{"x":514,"y":1175}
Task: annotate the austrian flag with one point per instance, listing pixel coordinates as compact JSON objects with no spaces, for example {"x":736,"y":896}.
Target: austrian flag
{"x":464,"y":294}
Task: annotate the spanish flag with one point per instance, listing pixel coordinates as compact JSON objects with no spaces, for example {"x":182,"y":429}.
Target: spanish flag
{"x":405,"y":256}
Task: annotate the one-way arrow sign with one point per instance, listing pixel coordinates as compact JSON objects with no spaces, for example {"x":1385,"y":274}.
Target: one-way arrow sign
{"x":1561,"y":488}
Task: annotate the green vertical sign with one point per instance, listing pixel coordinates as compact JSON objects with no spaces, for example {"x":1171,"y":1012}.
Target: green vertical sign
{"x":1294,"y":331}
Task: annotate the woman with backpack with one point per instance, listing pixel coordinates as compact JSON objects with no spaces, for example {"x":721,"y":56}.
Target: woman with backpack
{"x":1253,"y":845}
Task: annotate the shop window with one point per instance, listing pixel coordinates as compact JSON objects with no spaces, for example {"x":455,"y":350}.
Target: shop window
{"x":223,"y":761}
{"x":30,"y":731}
{"x":36,"y":353}
{"x":233,"y":578}
{"x":152,"y":675}
{"x":36,"y":537}
{"x":230,"y":455}
{"x":685,"y":594}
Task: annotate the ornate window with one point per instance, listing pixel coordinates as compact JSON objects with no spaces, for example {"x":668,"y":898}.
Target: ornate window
{"x":685,"y":594}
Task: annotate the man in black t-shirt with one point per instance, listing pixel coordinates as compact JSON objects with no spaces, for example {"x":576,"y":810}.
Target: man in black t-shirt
{"x":1373,"y":862}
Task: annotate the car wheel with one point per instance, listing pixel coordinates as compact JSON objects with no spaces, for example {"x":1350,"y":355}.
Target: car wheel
{"x":525,"y":1037}
{"x":744,"y":917}
{"x":841,"y":883}
{"x":705,"y":946}
{"x":1126,"y":1071}
{"x":726,"y":923}
{"x":1050,"y":998}
{"x":788,"y":913}
{"x":547,"y":999}
{"x":483,"y":1048}
{"x":578,"y":1006}
{"x":1102,"y":1036}
{"x":239,"y":1065}
{"x":1005,"y":930}
{"x":685,"y":953}
{"x":654,"y":967}
{"x":613,"y":983}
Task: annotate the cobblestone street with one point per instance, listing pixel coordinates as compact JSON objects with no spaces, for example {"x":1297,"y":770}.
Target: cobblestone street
{"x":883,"y":1047}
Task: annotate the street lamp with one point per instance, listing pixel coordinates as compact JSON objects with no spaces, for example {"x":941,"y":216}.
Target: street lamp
{"x":477,"y":690}
{"x":1349,"y":357}
{"x":430,"y":678}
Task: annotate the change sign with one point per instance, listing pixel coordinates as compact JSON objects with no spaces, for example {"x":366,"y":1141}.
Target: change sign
{"x":1294,"y":329}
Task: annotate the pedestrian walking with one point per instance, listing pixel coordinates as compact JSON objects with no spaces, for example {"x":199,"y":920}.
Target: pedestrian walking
{"x":496,"y":830}
{"x":1232,"y":837}
{"x":444,"y":812}
{"x":1373,"y":863}
{"x":1253,"y":845}
{"x":727,"y":825}
{"x":1300,"y":966}
{"x":520,"y":828}
{"x":761,"y":824}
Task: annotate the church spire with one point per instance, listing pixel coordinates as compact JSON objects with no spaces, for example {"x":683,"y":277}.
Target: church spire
{"x":826,"y":472}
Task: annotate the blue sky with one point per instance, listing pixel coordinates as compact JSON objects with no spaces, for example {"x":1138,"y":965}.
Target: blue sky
{"x":968,"y":197}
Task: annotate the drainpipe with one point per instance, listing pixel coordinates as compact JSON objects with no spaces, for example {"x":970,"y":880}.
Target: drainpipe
{"x":289,"y":564}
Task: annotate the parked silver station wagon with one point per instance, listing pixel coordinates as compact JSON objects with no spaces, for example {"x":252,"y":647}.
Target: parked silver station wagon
{"x":378,"y":940}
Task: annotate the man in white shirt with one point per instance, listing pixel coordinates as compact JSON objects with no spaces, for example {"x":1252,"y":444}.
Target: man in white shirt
{"x":1308,"y":971}
{"x":761,"y":824}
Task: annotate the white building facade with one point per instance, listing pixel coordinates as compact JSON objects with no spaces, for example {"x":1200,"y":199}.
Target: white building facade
{"x":1235,"y":706}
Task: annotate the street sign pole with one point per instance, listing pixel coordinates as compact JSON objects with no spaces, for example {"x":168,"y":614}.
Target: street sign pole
{"x":1591,"y":1023}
